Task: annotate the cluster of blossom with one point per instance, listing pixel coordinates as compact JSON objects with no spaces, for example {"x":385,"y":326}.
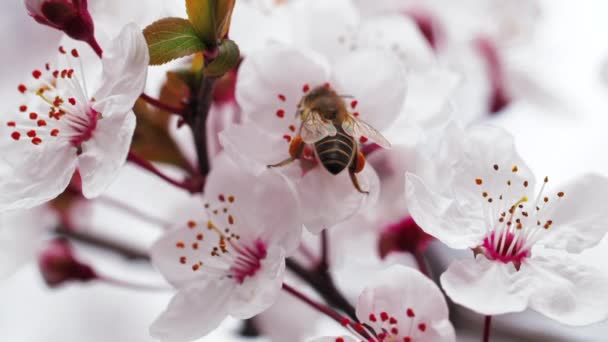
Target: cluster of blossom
{"x":395,"y":91}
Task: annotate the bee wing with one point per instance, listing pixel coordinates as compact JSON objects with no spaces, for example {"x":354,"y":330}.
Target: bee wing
{"x":315,"y":128}
{"x":358,"y":128}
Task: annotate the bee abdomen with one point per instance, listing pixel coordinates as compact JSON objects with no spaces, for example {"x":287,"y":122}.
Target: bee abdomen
{"x":335,"y":153}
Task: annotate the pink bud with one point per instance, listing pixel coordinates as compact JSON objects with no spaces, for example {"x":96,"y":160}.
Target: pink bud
{"x":58,"y":264}
{"x":403,"y":236}
{"x":69,"y":16}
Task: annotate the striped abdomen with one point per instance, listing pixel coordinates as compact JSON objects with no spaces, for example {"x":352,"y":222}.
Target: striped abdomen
{"x":337,"y":152}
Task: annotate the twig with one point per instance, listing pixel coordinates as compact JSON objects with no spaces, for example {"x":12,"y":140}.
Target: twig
{"x":192,"y":185}
{"x":198,"y":121}
{"x":162,"y":105}
{"x":104,"y":243}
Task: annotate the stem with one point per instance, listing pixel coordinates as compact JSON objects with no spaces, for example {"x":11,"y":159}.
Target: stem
{"x":95,"y":46}
{"x":486,"y":328}
{"x":198,"y":121}
{"x":322,"y":282}
{"x":323,"y":263}
{"x":317,"y":306}
{"x":162,"y":105}
{"x":103,"y":243}
{"x":114,"y":203}
{"x":421,"y":262}
{"x":192,"y":186}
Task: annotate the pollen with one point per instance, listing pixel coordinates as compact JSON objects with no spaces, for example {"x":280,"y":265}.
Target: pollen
{"x":280,"y":113}
{"x":515,"y":168}
{"x":22,"y":88}
{"x":560,"y":194}
{"x":191,"y":224}
{"x":282,"y":97}
{"x":16,"y":135}
{"x":478,"y":181}
{"x":305,"y":88}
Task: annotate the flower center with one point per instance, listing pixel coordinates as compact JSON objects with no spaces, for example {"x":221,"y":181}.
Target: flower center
{"x":390,"y":328}
{"x":63,"y":110}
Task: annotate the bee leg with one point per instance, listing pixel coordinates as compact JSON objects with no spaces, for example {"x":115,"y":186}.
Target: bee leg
{"x":357,"y":166}
{"x":296,"y":147}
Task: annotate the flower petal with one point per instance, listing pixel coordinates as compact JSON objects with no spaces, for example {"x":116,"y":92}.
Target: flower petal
{"x":31,"y":177}
{"x":105,"y":153}
{"x":580,"y":217}
{"x":377,"y":81}
{"x":125,"y":65}
{"x":259,"y":292}
{"x":193,"y":312}
{"x":272,"y":81}
{"x":567,"y":291}
{"x":487,"y":287}
{"x":333,"y":339}
{"x":329,"y":199}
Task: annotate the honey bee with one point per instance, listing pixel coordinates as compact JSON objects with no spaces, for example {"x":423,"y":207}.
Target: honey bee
{"x":334,"y":132}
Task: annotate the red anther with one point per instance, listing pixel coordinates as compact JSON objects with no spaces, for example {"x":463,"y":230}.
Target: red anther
{"x":180,"y":244}
{"x":382,"y":336}
{"x":16,"y":135}
{"x":11,"y":124}
{"x":359,"y":327}
{"x":195,"y":267}
{"x":395,"y":331}
{"x":345,"y":321}
{"x":41,"y":123}
{"x":182,"y":260}
{"x":56,"y":73}
{"x":305,"y":88}
{"x":327,"y":85}
{"x":372,"y":318}
{"x":422,"y":327}
{"x":410,"y":312}
{"x":62,"y":50}
{"x":72,"y":101}
{"x":392,"y":320}
{"x":363,"y":140}
{"x":191,"y":224}
{"x":384,"y":316}
{"x":75,"y":53}
{"x":356,"y":114}
{"x":64,"y":72}
{"x":36,"y":74}
{"x":36,"y":141}
{"x":47,"y":67}
{"x":292,"y":128}
{"x":31,"y":133}
{"x":339,"y":339}
{"x":287,"y":137}
{"x":199,"y":237}
{"x":33,"y":116}
{"x":407,"y":339}
{"x":221,"y":198}
{"x":280,"y":113}
{"x":23,"y":108}
{"x":54,"y":132}
{"x":353,"y":104}
{"x":22,"y":88}
{"x":282,"y":97}
{"x":70,"y":73}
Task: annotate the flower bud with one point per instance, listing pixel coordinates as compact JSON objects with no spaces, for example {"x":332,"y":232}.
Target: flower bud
{"x":69,"y":16}
{"x":58,"y":265}
{"x":403,"y":236}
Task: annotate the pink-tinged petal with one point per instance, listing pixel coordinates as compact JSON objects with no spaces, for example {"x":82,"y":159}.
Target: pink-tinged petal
{"x":399,"y":35}
{"x":34,"y":7}
{"x":410,"y":299}
{"x":105,"y":153}
{"x":194,"y":311}
{"x":327,"y":199}
{"x":580,"y":216}
{"x":332,"y":34}
{"x":567,"y":291}
{"x":125,"y":65}
{"x":258,"y":293}
{"x":21,"y":232}
{"x":441,"y":216}
{"x":269,"y":26}
{"x":262,"y":206}
{"x":272,"y":81}
{"x":487,"y":287}
{"x":377,"y":81}
{"x":342,"y":338}
{"x":268,"y":149}
{"x":32,"y":175}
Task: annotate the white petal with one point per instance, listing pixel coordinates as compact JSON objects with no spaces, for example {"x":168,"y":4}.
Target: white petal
{"x":268,"y":26}
{"x":377,"y":81}
{"x":193,"y":312}
{"x":270,"y":74}
{"x":125,"y":65}
{"x":567,"y":291}
{"x":440,"y":216}
{"x":487,"y":287}
{"x":105,"y":153}
{"x":580,"y":218}
{"x":264,"y":206}
{"x":334,"y":21}
{"x":32,"y":175}
{"x":399,"y":288}
{"x":259,"y":292}
{"x":327,"y":199}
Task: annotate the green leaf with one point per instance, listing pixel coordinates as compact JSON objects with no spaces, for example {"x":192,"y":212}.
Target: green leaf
{"x":202,"y":16}
{"x":227,"y":59}
{"x":171,"y":38}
